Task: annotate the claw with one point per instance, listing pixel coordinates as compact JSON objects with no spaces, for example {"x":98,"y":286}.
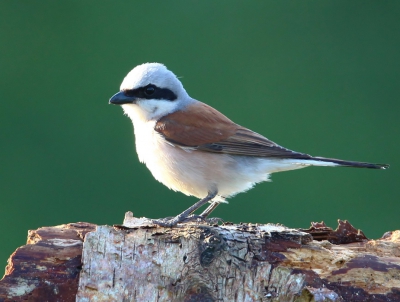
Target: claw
{"x":185,"y":215}
{"x":170,"y":222}
{"x":164,"y":222}
{"x":214,"y":220}
{"x":196,"y":218}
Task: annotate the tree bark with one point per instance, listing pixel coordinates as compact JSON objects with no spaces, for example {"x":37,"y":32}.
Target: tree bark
{"x":138,"y":261}
{"x":47,"y":268}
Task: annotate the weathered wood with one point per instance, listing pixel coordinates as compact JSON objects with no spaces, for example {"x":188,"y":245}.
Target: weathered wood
{"x":199,"y":262}
{"x":141,"y":262}
{"x":47,"y":268}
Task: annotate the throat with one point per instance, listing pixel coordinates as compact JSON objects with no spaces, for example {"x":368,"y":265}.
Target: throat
{"x":135,"y":113}
{"x":150,"y":109}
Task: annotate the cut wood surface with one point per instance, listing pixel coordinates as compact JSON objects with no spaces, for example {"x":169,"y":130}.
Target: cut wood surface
{"x":138,"y":261}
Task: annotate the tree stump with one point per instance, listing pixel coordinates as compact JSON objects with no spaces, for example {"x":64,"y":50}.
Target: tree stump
{"x":138,"y":261}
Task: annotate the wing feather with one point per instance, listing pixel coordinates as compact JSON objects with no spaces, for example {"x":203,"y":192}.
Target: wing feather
{"x":249,"y":143}
{"x":196,"y":125}
{"x":203,"y":128}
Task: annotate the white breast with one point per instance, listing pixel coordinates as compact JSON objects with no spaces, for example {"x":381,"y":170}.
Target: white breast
{"x":184,"y":170}
{"x":194,"y":172}
{"x":145,"y":136}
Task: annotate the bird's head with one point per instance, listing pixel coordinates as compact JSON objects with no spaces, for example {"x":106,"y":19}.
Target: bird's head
{"x":152,"y":91}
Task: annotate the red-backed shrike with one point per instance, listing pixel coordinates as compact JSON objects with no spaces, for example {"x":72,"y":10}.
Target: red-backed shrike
{"x":193,"y":148}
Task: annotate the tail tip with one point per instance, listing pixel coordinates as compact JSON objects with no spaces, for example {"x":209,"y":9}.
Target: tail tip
{"x":383,"y":166}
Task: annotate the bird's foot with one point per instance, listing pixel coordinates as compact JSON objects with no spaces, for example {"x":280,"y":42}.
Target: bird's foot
{"x":214,"y":220}
{"x":170,"y":222}
{"x":201,"y":218}
{"x":163,"y":222}
{"x":186,"y":216}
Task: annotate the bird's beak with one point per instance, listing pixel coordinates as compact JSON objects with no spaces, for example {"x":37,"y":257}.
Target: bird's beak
{"x":121,"y":98}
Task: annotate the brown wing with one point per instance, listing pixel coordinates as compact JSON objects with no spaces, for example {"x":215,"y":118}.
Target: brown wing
{"x":206,"y":129}
{"x":198,"y":124}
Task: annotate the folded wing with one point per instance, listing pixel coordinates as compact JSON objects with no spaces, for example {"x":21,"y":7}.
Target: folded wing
{"x":203,"y":128}
{"x":249,"y":143}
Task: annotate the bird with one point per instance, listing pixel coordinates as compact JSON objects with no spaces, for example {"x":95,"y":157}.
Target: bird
{"x":193,"y":148}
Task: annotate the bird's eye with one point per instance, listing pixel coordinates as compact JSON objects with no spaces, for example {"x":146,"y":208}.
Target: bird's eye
{"x":149,"y":90}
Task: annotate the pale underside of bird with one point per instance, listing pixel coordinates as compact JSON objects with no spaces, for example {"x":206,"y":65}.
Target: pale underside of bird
{"x":193,"y":148}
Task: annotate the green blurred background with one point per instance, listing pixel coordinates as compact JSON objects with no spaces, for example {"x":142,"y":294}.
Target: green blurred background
{"x":321,"y":77}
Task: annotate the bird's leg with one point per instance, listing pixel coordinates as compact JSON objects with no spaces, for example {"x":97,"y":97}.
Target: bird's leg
{"x":210,"y":208}
{"x":185,"y":214}
{"x":206,"y":212}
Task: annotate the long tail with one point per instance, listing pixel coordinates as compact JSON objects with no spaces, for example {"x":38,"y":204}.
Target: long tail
{"x":346,"y":163}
